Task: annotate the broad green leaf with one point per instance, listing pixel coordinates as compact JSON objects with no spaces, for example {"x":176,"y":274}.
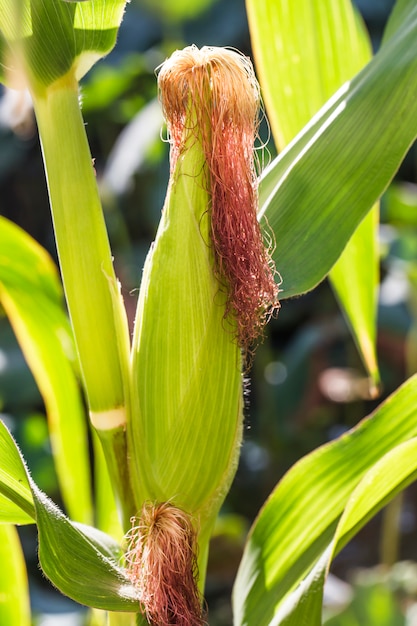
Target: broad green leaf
{"x":299,"y":520}
{"x":56,"y":37}
{"x":14,"y":590}
{"x":16,"y":501}
{"x":81,"y":561}
{"x":31,"y":295}
{"x":399,"y":16}
{"x":317,"y":47}
{"x":323,"y":184}
{"x":355,"y":279}
{"x":392,"y":473}
{"x":11,"y":513}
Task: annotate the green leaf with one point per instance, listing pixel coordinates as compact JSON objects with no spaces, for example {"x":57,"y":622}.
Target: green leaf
{"x":392,"y":473}
{"x":81,"y":561}
{"x":300,"y":519}
{"x":319,"y":189}
{"x":399,"y":16}
{"x":355,"y":279}
{"x":14,"y":590}
{"x":317,"y":47}
{"x":57,"y":37}
{"x":31,"y":295}
{"x":16,"y":501}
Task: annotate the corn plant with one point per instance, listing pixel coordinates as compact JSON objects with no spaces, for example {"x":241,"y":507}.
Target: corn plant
{"x":165,"y":407}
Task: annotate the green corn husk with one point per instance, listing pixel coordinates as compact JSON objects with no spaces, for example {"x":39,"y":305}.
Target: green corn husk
{"x":187,"y":383}
{"x":186,"y":425}
{"x":206,"y":288}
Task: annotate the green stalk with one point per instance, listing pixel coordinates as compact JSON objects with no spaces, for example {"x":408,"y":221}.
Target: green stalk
{"x":92,"y":292}
{"x":82,"y":243}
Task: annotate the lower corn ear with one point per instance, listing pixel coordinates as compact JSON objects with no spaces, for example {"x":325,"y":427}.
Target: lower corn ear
{"x":162,"y":563}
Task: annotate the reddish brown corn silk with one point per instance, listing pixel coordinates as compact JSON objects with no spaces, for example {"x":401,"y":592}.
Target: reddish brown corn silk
{"x":212,"y":95}
{"x":162,"y":563}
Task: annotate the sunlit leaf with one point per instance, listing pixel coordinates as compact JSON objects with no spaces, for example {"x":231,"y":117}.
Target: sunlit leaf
{"x":355,"y":279}
{"x":81,"y":561}
{"x":32,"y":298}
{"x":392,"y":473}
{"x":16,"y":501}
{"x":14,"y":590}
{"x":323,"y":184}
{"x":56,"y":37}
{"x":300,"y":519}
{"x":317,"y":47}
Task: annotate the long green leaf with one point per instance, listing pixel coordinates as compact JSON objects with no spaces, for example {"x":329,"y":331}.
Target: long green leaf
{"x":317,"y":47}
{"x":14,"y":590}
{"x":31,"y":294}
{"x":300,"y":518}
{"x":355,"y":280}
{"x":399,"y":16}
{"x":81,"y":561}
{"x":319,"y":189}
{"x":392,"y":473}
{"x":16,"y":501}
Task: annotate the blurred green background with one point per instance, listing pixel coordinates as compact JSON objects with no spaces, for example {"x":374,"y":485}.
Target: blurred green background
{"x":307,"y":384}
